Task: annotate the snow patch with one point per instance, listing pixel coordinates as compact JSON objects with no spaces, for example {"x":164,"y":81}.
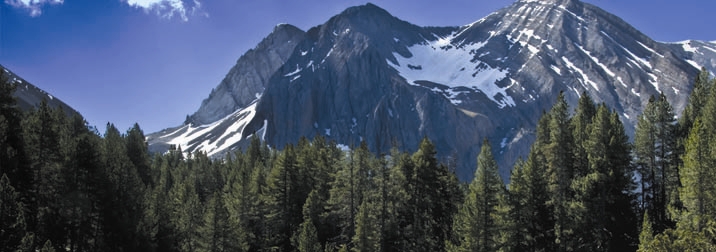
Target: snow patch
{"x":556,"y":69}
{"x":327,"y":131}
{"x":298,"y":70}
{"x":440,"y":62}
{"x":687,"y":46}
{"x":635,"y":93}
{"x":649,"y":49}
{"x":228,"y":137}
{"x":581,"y":73}
{"x":572,"y":13}
{"x":693,"y":63}
{"x":343,"y":147}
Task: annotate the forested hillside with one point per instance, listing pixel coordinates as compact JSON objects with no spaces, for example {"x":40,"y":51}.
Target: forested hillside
{"x":583,"y":187}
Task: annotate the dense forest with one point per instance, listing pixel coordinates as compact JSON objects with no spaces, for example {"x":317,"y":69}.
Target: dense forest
{"x":583,"y":187}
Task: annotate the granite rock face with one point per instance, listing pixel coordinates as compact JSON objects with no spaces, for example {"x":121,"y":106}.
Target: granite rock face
{"x":365,"y":75}
{"x":246,"y":81}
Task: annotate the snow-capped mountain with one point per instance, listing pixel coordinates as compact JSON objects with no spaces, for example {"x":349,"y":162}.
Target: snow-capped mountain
{"x":29,"y":96}
{"x":366,"y":75}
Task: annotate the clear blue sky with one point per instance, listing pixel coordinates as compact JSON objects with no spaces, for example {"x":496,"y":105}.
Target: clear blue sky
{"x":126,"y":61}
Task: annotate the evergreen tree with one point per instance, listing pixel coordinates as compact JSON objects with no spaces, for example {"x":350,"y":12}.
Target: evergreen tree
{"x":122,"y":196}
{"x":43,"y":131}
{"x":476,"y":227}
{"x":580,"y":122}
{"x":367,"y":233}
{"x":558,"y":154}
{"x":697,"y":101}
{"x":12,"y":217}
{"x":215,"y":230}
{"x":283,"y":206}
{"x":530,"y":214}
{"x":306,"y":239}
{"x":13,"y":159}
{"x":138,"y":153}
{"x":697,"y":175}
{"x":84,"y":183}
{"x":646,"y":236}
{"x":432,"y":191}
{"x":654,"y":144}
{"x":347,"y":191}
{"x":602,"y":206}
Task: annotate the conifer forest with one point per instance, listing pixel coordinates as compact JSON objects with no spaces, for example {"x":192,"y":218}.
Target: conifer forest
{"x":585,"y":186}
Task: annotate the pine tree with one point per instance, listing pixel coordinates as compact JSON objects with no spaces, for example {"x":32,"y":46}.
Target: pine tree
{"x":558,"y":154}
{"x":43,"y":132}
{"x":215,"y":231}
{"x":283,"y":207}
{"x":646,"y":236}
{"x":476,"y":227}
{"x":529,"y":212}
{"x":697,"y":101}
{"x":138,"y":153}
{"x":12,"y":216}
{"x":697,"y":175}
{"x":122,"y":205}
{"x":397,"y":208}
{"x":13,"y":159}
{"x":84,"y":181}
{"x":580,"y":122}
{"x":346,"y":194}
{"x":655,"y":144}
{"x":367,"y":233}
{"x":602,"y":204}
{"x":306,"y":238}
{"x":432,"y":191}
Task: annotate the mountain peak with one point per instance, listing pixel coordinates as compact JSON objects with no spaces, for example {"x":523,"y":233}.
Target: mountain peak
{"x":555,"y":2}
{"x":367,"y":13}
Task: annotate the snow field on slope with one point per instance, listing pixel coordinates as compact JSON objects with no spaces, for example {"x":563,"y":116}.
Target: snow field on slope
{"x":441,"y":62}
{"x":230,"y":136}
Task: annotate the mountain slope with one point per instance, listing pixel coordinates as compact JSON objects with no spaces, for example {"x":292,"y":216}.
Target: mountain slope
{"x":365,"y":75}
{"x":29,"y":96}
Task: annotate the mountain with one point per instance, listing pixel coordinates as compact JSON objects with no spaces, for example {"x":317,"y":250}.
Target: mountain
{"x":697,"y":53}
{"x":29,"y":96}
{"x":365,"y":75}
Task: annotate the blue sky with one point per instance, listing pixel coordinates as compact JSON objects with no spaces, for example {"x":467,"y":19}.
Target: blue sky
{"x":154,"y":61}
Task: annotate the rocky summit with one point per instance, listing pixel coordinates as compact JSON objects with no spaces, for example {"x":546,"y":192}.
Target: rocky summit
{"x":365,"y":75}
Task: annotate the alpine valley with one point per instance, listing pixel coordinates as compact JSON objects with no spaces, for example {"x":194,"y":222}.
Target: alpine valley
{"x":365,"y":75}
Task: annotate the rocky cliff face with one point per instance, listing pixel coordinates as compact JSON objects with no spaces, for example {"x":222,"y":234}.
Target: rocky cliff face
{"x":367,"y":76}
{"x":247,"y":80}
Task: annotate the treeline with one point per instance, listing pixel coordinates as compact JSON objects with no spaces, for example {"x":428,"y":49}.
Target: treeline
{"x":583,"y":187}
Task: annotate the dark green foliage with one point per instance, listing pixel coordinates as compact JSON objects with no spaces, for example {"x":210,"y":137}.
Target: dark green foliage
{"x":12,"y":216}
{"x":558,"y":154}
{"x":655,"y":151}
{"x":13,"y":159}
{"x":530,"y":215}
{"x":477,"y":224}
{"x":65,"y":187}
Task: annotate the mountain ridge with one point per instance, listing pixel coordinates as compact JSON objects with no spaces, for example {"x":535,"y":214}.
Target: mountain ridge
{"x":29,"y":96}
{"x":365,"y":75}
